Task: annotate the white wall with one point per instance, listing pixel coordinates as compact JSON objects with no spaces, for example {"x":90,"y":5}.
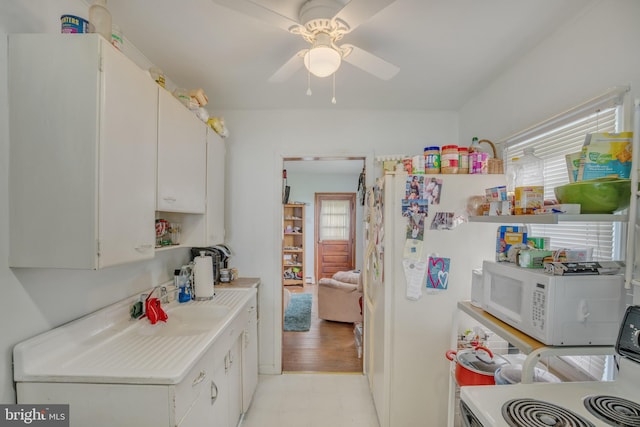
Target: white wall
{"x":303,"y":189}
{"x":35,"y":300}
{"x":258,"y":142}
{"x":596,"y":51}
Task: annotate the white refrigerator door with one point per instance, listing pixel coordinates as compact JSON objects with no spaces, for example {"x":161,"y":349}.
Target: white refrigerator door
{"x":411,"y":337}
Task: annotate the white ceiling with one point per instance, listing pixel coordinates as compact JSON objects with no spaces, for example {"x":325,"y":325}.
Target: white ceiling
{"x":447,"y":50}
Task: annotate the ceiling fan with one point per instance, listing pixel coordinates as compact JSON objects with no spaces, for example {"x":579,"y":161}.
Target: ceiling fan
{"x":322,"y":23}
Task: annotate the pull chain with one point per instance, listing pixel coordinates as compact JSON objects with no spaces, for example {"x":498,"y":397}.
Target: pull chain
{"x":309,"y":93}
{"x":333,"y":100}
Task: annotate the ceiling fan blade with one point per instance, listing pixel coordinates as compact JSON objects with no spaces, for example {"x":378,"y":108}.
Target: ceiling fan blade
{"x":289,"y":68}
{"x":259,"y":11}
{"x":358,"y":11}
{"x":370,"y":63}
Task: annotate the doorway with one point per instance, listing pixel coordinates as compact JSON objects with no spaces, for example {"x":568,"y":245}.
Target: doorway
{"x":335,"y":235}
{"x":327,"y":346}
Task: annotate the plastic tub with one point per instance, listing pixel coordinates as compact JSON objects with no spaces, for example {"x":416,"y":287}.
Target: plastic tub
{"x":512,"y":374}
{"x":72,"y":24}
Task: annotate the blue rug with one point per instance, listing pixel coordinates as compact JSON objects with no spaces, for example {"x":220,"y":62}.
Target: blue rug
{"x":297,"y":316}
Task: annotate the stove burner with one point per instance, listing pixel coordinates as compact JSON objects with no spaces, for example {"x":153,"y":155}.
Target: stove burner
{"x":613,"y":410}
{"x":538,"y":413}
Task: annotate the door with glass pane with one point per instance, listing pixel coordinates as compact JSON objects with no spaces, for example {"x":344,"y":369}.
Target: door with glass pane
{"x":334,"y":233}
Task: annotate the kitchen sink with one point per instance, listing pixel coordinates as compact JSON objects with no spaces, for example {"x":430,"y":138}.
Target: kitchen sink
{"x":186,"y":320}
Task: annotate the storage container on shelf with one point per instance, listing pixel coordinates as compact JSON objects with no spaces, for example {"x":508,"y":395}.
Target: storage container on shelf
{"x":449,"y":159}
{"x":463,"y":160}
{"x":100,"y":19}
{"x":528,"y":182}
{"x":432,"y":159}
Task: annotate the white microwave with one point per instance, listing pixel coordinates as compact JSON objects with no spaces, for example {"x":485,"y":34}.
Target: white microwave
{"x":555,"y":310}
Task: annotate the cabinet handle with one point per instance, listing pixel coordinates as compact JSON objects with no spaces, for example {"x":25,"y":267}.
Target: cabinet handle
{"x":144,"y":248}
{"x":199,"y":378}
{"x":169,"y":199}
{"x":214,"y":392}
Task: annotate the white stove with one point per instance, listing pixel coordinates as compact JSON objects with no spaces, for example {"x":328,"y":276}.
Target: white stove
{"x":613,"y":403}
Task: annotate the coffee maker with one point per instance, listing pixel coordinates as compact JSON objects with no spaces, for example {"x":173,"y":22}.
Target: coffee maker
{"x":220,"y":255}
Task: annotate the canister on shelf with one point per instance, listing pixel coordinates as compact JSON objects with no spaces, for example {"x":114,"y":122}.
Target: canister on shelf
{"x":417,"y":165}
{"x":432,"y":159}
{"x":449,"y":158}
{"x":463,"y":160}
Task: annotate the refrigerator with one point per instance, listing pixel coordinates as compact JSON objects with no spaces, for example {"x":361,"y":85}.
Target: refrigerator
{"x":408,"y":323}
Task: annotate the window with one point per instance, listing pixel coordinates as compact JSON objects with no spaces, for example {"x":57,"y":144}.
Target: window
{"x":334,"y":220}
{"x":553,"y":140}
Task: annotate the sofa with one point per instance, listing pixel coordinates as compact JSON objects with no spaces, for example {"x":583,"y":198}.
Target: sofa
{"x":339,"y":297}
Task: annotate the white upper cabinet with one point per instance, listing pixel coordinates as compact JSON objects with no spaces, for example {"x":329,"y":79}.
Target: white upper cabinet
{"x":83,"y":145}
{"x":215,"y":188}
{"x":182,"y":157}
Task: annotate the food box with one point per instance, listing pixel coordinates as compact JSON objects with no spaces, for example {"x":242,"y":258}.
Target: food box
{"x":496,"y":194}
{"x":507,"y":236}
{"x":528,"y":199}
{"x":534,"y":258}
{"x":605,"y":154}
{"x":499,"y":208}
{"x":573,"y":165}
{"x":539,"y":242}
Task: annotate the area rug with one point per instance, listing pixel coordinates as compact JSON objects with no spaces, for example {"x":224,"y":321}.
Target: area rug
{"x":297,"y":316}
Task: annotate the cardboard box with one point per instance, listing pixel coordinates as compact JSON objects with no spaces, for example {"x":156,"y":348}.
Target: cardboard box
{"x":507,"y":236}
{"x":605,"y":154}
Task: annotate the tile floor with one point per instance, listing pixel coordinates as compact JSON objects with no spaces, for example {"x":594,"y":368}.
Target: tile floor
{"x":312,"y":400}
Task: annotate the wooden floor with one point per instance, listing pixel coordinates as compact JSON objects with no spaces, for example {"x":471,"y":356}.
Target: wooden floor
{"x":326,"y":347}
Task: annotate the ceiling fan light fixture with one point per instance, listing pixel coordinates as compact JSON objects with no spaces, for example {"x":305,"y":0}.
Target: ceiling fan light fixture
{"x":322,"y":61}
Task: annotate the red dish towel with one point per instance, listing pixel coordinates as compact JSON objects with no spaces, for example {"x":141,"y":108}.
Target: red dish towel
{"x":155,"y":311}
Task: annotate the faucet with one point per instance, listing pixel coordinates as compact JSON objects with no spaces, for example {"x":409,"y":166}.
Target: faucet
{"x":164,"y":295}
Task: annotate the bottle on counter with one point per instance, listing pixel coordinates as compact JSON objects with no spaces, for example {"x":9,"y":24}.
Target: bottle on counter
{"x":100,"y":19}
{"x":184,"y":287}
{"x":528,"y":182}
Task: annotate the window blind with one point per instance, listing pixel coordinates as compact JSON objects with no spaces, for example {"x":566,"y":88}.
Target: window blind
{"x":552,"y":140}
{"x":552,"y":146}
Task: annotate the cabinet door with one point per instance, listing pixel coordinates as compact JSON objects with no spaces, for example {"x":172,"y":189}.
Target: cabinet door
{"x":250,"y":357}
{"x":196,"y":393}
{"x":79,"y":179}
{"x":128,"y":143}
{"x":234,"y":378}
{"x":219,"y":396}
{"x":182,"y":157}
{"x":215,"y":188}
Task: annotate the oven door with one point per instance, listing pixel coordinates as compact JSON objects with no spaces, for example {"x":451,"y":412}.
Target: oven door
{"x":468,"y":418}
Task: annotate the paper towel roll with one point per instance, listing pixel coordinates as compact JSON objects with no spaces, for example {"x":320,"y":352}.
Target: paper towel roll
{"x":203,"y":277}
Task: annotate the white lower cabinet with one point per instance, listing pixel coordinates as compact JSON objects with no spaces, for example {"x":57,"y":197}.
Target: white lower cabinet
{"x":210,"y":395}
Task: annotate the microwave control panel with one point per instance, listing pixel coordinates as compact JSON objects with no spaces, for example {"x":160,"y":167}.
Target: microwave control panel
{"x":538,"y":309}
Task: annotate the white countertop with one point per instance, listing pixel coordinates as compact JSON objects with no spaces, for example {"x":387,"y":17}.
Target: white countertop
{"x":108,"y":347}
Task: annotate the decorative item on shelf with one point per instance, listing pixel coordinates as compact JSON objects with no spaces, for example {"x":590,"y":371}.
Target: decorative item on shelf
{"x":217,"y":124}
{"x":163,"y":236}
{"x":200,"y":97}
{"x":495,"y":165}
{"x":157,"y":75}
